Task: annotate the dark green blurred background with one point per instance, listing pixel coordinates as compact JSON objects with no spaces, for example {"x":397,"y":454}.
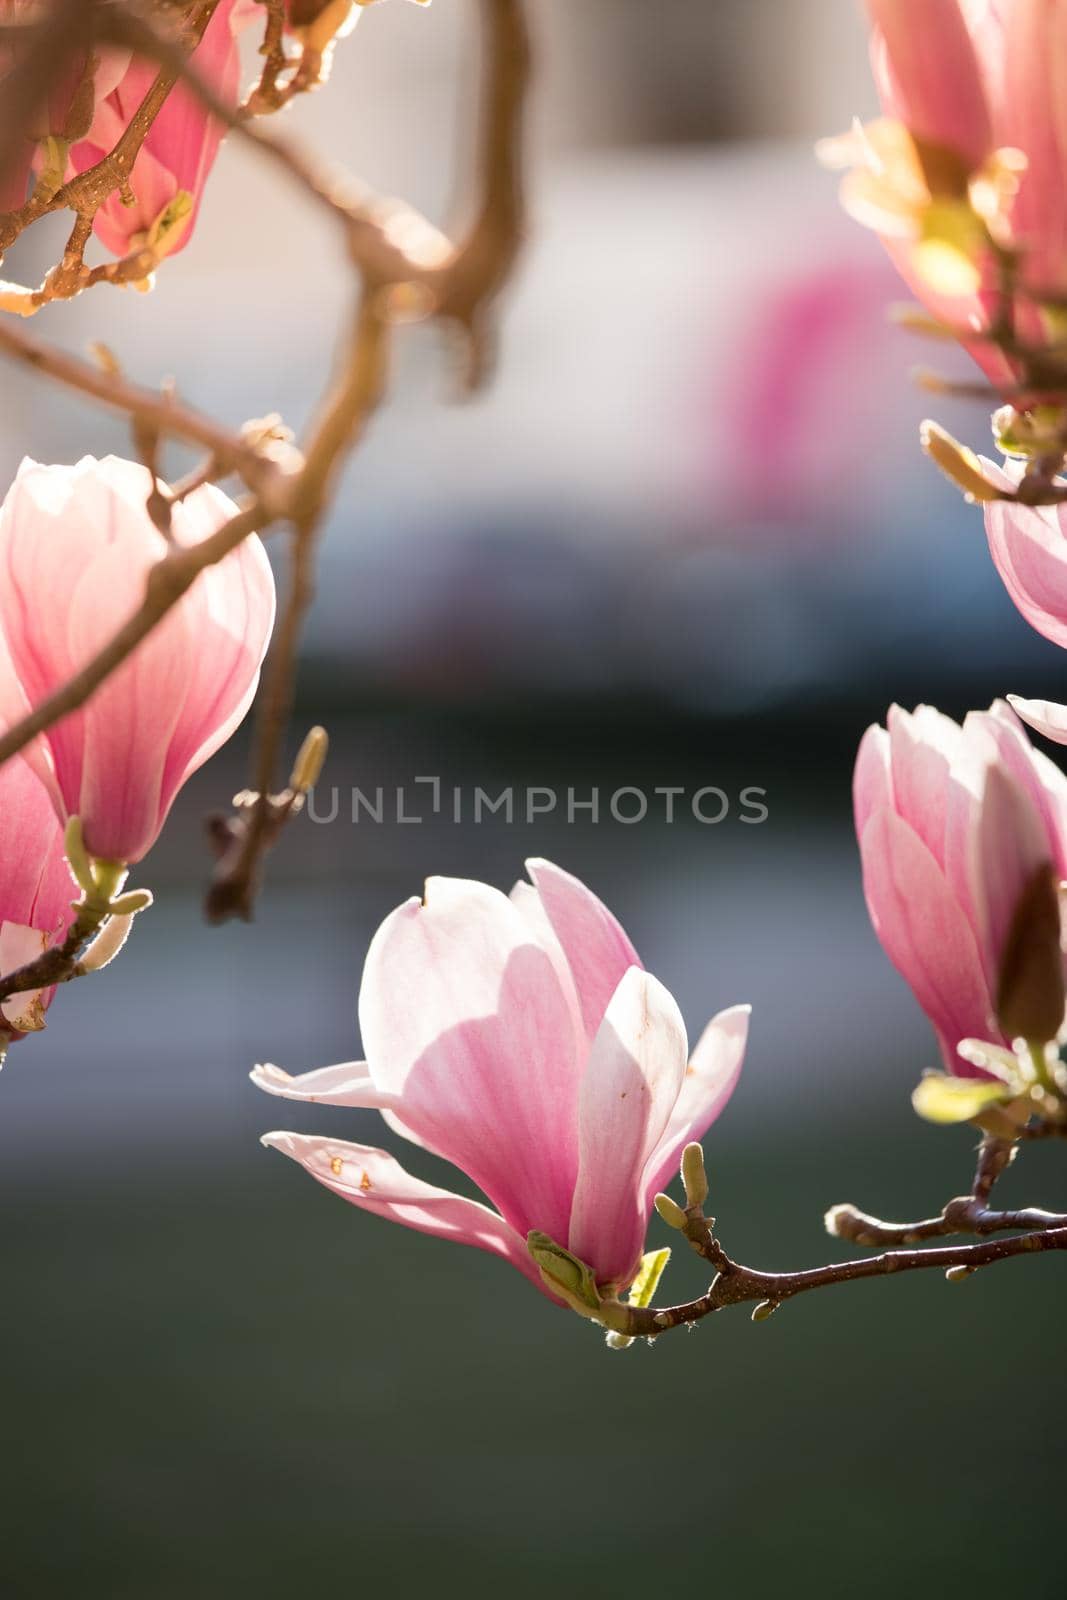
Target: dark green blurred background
{"x":221,"y":1380}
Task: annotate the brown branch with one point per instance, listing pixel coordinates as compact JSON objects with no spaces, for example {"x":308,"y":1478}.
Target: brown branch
{"x":735,"y":1284}
{"x":739,"y":1285}
{"x":342,"y":422}
{"x":231,"y":451}
{"x":60,"y":963}
{"x":968,"y":1213}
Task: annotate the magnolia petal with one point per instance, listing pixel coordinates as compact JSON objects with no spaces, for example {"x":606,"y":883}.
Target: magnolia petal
{"x":872,"y":781}
{"x":1044,"y":783}
{"x":1030,"y":553}
{"x":465,"y":1021}
{"x":375,"y":1181}
{"x":924,"y":744}
{"x":928,"y":74}
{"x":1008,"y":849}
{"x":631,"y":1085}
{"x":710,"y":1079}
{"x":597,"y":948}
{"x":349,"y":1084}
{"x":924,"y":931}
{"x":1044,"y":716}
{"x":19,"y":946}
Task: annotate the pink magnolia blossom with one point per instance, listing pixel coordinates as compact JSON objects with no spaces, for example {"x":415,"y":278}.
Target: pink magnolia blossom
{"x":519,"y":1038}
{"x":953,"y":825}
{"x":1029,"y":549}
{"x":176,"y":158}
{"x":76,"y":546}
{"x":36,"y":887}
{"x":970,"y":79}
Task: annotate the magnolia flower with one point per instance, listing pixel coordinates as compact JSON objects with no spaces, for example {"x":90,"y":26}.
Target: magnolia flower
{"x":971,"y":154}
{"x":956,"y":826}
{"x":169,"y":174}
{"x":36,"y":888}
{"x":76,"y":547}
{"x":521,"y":1039}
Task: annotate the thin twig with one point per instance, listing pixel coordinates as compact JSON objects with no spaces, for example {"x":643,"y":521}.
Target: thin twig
{"x":742,"y":1285}
{"x":231,"y":451}
{"x":968,"y":1213}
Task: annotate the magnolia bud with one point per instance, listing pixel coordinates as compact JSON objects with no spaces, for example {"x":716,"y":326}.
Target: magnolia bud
{"x":693,"y":1175}
{"x":128,"y":905}
{"x":307,"y":768}
{"x":107,"y":944}
{"x":958,"y":463}
{"x":670,"y":1211}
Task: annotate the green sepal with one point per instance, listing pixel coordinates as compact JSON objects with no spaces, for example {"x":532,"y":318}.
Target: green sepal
{"x":649,"y":1273}
{"x":564,"y":1275}
{"x":642,"y":1289}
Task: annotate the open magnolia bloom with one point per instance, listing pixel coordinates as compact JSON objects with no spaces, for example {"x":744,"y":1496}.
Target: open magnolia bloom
{"x":519,"y":1038}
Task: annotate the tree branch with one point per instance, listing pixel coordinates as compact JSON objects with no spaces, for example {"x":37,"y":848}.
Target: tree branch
{"x":738,"y":1285}
{"x":231,"y":451}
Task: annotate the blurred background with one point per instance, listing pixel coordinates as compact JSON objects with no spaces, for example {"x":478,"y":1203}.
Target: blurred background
{"x":687,"y":540}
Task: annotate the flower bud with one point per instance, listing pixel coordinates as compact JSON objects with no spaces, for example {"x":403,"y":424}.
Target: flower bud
{"x":670,"y":1211}
{"x":107,"y":944}
{"x":129,"y":904}
{"x":307,"y":768}
{"x":958,"y":463}
{"x":693,"y":1175}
